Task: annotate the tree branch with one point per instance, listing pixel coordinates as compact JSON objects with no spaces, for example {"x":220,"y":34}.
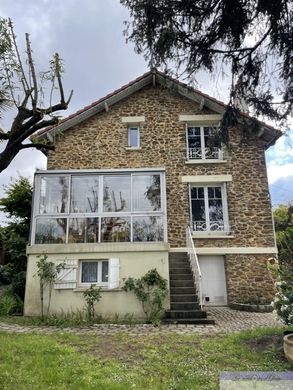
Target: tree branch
{"x":4,"y":136}
{"x":32,"y":71}
{"x":24,"y":80}
{"x":37,"y":146}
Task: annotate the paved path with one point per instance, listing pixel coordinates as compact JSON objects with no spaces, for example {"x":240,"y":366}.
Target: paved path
{"x":227,"y":321}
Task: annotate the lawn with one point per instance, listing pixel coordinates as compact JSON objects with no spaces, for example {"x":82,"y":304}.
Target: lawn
{"x":66,"y":361}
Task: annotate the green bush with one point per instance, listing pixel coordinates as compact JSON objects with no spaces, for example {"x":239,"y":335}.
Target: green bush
{"x":151,"y":290}
{"x":6,"y":273}
{"x":18,"y":284}
{"x":92,"y":296}
{"x":9,"y":304}
{"x":283,"y":301}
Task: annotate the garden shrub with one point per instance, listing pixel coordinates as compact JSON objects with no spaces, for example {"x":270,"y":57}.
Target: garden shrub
{"x":92,"y":296}
{"x":10,"y":304}
{"x":283,"y":301}
{"x":151,"y":290}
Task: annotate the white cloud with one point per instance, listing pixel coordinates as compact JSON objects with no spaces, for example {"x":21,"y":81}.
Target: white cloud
{"x":276,"y":171}
{"x":282,"y":151}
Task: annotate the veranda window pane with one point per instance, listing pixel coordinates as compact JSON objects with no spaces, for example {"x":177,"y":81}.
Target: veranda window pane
{"x":115,"y":229}
{"x":116,"y":193}
{"x":89,"y":272}
{"x":216,"y":214}
{"x":211,"y":152}
{"x":82,"y":230}
{"x":54,"y":195}
{"x":105,"y":270}
{"x":50,"y":231}
{"x":198,"y":215}
{"x":133,"y":137}
{"x":148,"y":229}
{"x":194,"y":143}
{"x":146,"y":193}
{"x":84,"y":194}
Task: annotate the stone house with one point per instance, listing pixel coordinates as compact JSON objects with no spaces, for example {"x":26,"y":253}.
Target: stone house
{"x":133,"y":185}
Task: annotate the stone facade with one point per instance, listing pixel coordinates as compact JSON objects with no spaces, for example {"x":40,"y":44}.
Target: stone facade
{"x":101,"y":143}
{"x":248,"y":279}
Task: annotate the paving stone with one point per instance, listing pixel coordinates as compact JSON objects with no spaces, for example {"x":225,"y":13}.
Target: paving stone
{"x":226,"y":321}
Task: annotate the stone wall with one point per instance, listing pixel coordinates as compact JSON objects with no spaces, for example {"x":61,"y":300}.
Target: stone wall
{"x":248,"y":279}
{"x":100,"y":143}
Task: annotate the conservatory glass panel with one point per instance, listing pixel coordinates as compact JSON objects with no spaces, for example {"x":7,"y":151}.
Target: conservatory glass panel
{"x":54,"y":195}
{"x":82,"y":230}
{"x":148,"y":228}
{"x":50,"y":231}
{"x":115,"y":229}
{"x":84,"y":194}
{"x":116,"y":193}
{"x":146,"y":192}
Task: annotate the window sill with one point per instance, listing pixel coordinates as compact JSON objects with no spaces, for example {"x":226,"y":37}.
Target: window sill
{"x":213,"y":161}
{"x":132,"y":148}
{"x":211,"y":235}
{"x":103,"y":289}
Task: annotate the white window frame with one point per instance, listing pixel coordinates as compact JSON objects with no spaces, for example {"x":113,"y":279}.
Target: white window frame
{"x":202,"y":145}
{"x":138,"y":137}
{"x":205,"y":186}
{"x":99,"y":272}
{"x":100,"y":213}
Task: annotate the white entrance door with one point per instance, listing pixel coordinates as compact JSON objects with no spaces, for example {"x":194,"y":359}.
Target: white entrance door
{"x":214,"y":289}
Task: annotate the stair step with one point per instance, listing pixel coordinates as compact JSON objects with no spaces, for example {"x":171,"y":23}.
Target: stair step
{"x":181,"y":270}
{"x":181,"y":277}
{"x":178,"y":314}
{"x":183,"y":298}
{"x":184,"y":306}
{"x":182,"y":290}
{"x":181,"y":283}
{"x":188,"y":321}
{"x":179,"y":264}
{"x":175,"y":255}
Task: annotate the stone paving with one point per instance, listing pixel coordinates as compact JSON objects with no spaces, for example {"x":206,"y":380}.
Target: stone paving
{"x":227,"y":321}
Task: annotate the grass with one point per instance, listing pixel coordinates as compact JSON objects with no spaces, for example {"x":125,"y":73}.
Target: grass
{"x":66,"y":361}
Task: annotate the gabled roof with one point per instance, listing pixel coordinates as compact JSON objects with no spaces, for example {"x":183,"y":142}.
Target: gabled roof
{"x":152,"y":77}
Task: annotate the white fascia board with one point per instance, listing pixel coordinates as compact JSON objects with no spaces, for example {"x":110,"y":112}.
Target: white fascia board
{"x":230,"y":250}
{"x":236,"y":250}
{"x":211,"y":119}
{"x":133,"y":119}
{"x":206,"y":179}
{"x":99,"y":171}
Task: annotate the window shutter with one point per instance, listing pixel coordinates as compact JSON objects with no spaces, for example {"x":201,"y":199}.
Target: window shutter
{"x":114,"y":273}
{"x":67,"y":277}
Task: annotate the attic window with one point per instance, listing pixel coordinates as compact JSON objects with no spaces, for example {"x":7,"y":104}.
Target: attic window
{"x":133,"y":137}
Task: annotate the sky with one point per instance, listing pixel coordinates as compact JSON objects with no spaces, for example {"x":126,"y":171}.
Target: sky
{"x":89,"y":37}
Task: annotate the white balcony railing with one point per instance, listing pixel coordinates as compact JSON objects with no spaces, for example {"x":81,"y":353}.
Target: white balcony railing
{"x":194,"y":264}
{"x":205,"y":154}
{"x":211,"y":226}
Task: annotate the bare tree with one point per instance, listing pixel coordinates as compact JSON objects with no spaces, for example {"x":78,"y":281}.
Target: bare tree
{"x":21,"y":86}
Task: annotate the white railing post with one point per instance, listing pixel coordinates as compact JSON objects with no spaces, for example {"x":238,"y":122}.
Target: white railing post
{"x":193,"y":259}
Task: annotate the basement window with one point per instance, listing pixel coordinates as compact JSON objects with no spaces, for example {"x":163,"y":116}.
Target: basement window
{"x":94,"y":272}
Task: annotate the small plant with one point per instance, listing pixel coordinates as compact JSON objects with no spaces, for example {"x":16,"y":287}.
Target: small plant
{"x":47,"y":272}
{"x":151,"y":290}
{"x":283,"y":301}
{"x":10,"y":304}
{"x":92,"y":296}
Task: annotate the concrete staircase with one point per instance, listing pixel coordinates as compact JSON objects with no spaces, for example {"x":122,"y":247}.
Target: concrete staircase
{"x":185,"y":308}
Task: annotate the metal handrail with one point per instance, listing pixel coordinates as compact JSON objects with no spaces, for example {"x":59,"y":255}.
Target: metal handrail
{"x":194,"y":263}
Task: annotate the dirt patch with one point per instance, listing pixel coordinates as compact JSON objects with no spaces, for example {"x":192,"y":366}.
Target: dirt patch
{"x":268,"y":344}
{"x":108,"y":348}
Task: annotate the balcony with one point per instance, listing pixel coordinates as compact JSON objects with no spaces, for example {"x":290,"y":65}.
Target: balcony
{"x":205,"y":154}
{"x":210,"y":228}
